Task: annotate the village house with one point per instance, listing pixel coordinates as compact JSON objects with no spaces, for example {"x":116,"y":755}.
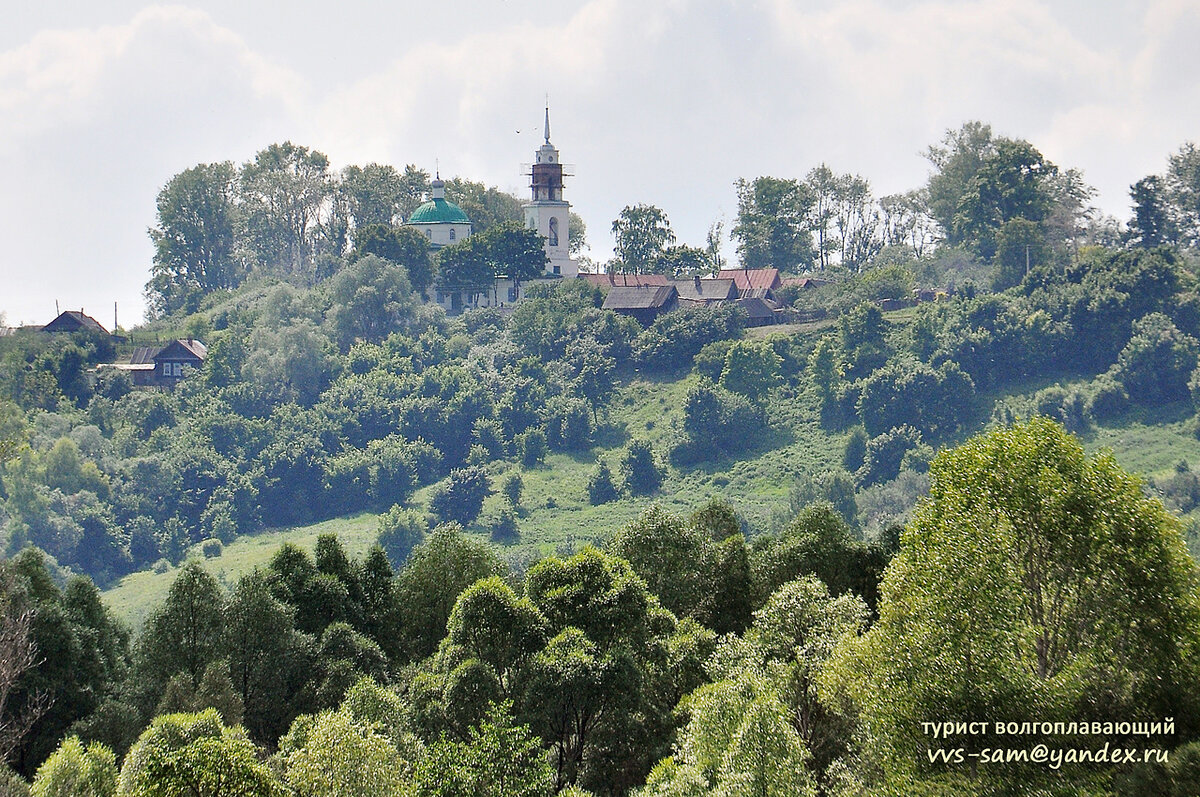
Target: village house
{"x":162,"y":366}
{"x":642,"y":303}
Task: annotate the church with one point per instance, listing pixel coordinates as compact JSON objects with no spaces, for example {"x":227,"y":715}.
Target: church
{"x":444,"y":223}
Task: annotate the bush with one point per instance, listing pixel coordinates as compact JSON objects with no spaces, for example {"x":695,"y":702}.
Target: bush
{"x":504,"y":528}
{"x":1156,"y":364}
{"x":511,"y":489}
{"x":531,"y":447}
{"x":400,"y":531}
{"x":568,"y":424}
{"x":1107,"y":398}
{"x":601,"y":487}
{"x":885,"y":453}
{"x":211,"y":548}
{"x":641,"y":473}
{"x":855,"y":452}
{"x":710,"y":360}
{"x":161,"y":566}
{"x":460,"y":498}
{"x":715,"y":421}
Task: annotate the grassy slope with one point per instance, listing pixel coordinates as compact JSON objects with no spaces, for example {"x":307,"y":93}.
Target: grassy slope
{"x":556,"y":516}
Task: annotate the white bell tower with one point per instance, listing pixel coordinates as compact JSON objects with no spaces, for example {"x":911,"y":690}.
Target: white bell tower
{"x":549,"y":213}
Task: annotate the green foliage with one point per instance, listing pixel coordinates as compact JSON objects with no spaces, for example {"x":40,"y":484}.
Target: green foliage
{"x":531,"y":447}
{"x":1015,"y":515}
{"x":498,"y":759}
{"x":818,"y":542}
{"x":715,"y":422}
{"x":404,"y":246}
{"x":511,"y":489}
{"x":400,"y":531}
{"x":855,"y":452}
{"x":835,"y":488}
{"x":460,"y":498}
{"x":195,"y":239}
{"x":641,"y":235}
{"x":1154,"y":367}
{"x":751,"y":369}
{"x":639,"y":470}
{"x":886,"y":454}
{"x":600,"y":486}
{"x":183,"y":637}
{"x":504,"y":529}
{"x":676,"y":337}
{"x":437,"y":572}
{"x":862,"y":334}
{"x":772,"y":227}
{"x":340,"y":756}
{"x":194,"y":754}
{"x":368,"y":300}
{"x":672,"y":556}
{"x":73,"y":771}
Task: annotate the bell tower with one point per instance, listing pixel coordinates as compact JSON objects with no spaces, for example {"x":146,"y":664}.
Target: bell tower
{"x":549,"y":213}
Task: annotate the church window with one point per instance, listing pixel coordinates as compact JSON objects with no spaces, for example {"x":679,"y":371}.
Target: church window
{"x":428,"y":233}
{"x":451,"y":233}
{"x":553,"y":237}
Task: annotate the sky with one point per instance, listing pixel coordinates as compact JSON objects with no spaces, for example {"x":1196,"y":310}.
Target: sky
{"x":665,"y":102}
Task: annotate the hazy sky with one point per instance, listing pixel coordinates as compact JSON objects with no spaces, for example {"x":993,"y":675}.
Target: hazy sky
{"x":664,"y":102}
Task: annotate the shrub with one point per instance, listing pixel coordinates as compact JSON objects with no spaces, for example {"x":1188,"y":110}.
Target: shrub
{"x":855,"y":452}
{"x":401,"y":530}
{"x":601,"y":487}
{"x":531,"y":447}
{"x":211,"y":548}
{"x":885,"y":453}
{"x":460,"y":498}
{"x":511,"y":489}
{"x":1107,"y":398}
{"x":504,"y":528}
{"x":1156,"y":364}
{"x":641,"y":473}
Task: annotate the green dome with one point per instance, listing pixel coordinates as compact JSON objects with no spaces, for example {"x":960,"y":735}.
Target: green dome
{"x":438,"y":211}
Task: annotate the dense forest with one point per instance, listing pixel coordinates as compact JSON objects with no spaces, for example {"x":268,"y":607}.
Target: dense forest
{"x":1011,"y":577}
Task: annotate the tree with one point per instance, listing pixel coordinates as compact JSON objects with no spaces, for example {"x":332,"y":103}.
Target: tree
{"x":511,"y":489}
{"x":1020,"y":247}
{"x":400,"y":531}
{"x":772,"y":224}
{"x":340,"y":756}
{"x":437,"y":572}
{"x":956,"y":159}
{"x":1152,"y":224}
{"x":375,"y":194}
{"x":464,"y":267}
{"x":600,"y":487}
{"x":284,"y":190}
{"x":184,"y":634}
{"x":1036,"y":582}
{"x":1013,"y":181}
{"x":1183,"y":189}
{"x":194,"y":755}
{"x":513,"y":250}
{"x":75,"y":771}
{"x":404,"y":246}
{"x":677,"y":262}
{"x":369,"y":300}
{"x":461,"y":498}
{"x":641,"y":473}
{"x":641,"y":234}
{"x":1158,"y":360}
{"x":672,"y":556}
{"x":267,"y":656}
{"x":195,"y":240}
{"x":576,"y":233}
{"x":751,"y":369}
{"x":484,"y":206}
